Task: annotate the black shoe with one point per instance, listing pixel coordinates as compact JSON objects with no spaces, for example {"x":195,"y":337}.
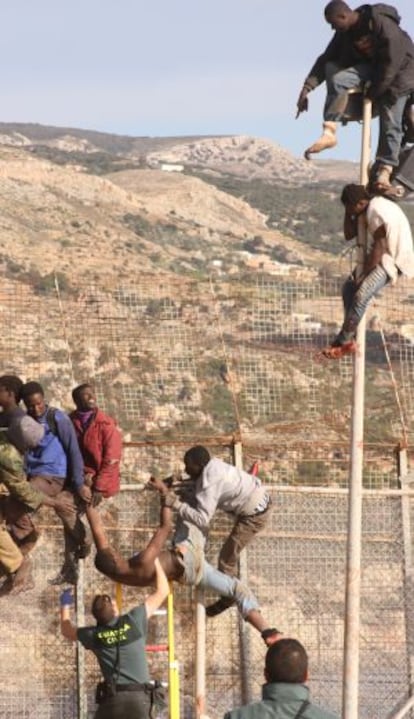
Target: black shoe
{"x":83,"y":550}
{"x":219,"y":606}
{"x":67,"y":575}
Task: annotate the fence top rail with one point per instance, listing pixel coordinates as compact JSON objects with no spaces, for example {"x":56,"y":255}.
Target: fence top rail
{"x":287,"y":489}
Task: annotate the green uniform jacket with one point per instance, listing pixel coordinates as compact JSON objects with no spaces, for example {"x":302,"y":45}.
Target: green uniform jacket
{"x":13,"y":477}
{"x":281,"y":701}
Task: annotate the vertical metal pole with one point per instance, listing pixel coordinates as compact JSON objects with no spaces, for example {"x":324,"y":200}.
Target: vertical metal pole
{"x":405,"y":479}
{"x":80,"y":652}
{"x":173,"y":677}
{"x":200,"y":670}
{"x":245,"y":649}
{"x":353,"y":567}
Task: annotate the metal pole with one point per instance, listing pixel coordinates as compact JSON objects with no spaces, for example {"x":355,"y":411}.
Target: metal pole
{"x":80,"y":652}
{"x":353,"y":567}
{"x":200,"y":669}
{"x":405,"y":479}
{"x":173,"y":676}
{"x":245,"y":649}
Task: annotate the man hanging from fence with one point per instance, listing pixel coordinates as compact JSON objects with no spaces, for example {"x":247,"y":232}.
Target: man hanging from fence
{"x":369,"y":48}
{"x":100,"y":443}
{"x":390,"y":256}
{"x":18,"y":434}
{"x":219,"y":485}
{"x":55,"y":467}
{"x":183,"y":562}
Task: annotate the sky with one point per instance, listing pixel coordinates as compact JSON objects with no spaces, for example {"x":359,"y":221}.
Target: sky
{"x":170,"y":67}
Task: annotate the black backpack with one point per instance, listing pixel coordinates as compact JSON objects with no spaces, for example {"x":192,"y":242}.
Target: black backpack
{"x":51,"y":420}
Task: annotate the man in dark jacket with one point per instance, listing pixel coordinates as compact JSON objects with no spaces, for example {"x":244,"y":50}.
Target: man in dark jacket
{"x":285,"y":694}
{"x":368,"y":47}
{"x":100,"y":443}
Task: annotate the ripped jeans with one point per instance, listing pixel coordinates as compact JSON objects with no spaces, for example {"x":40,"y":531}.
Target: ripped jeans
{"x":198,"y":572}
{"x":356,"y":299}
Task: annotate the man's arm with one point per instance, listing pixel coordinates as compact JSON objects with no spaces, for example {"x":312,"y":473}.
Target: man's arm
{"x":154,"y":601}
{"x":207,"y":500}
{"x":317,"y":74}
{"x":68,"y":630}
{"x":379,"y":248}
{"x":350,"y":226}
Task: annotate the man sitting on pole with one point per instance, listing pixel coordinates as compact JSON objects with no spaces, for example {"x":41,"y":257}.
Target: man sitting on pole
{"x":390,"y":255}
{"x":368,"y":48}
{"x":184,"y":562}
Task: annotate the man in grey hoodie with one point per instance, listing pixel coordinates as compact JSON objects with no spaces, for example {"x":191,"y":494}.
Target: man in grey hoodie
{"x":219,"y":485}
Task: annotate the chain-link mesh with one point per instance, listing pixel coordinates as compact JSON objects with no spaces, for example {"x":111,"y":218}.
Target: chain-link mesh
{"x":185,"y":362}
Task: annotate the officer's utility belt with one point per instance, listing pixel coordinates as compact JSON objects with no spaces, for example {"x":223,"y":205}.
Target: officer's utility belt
{"x":108,"y":689}
{"x":133,"y":687}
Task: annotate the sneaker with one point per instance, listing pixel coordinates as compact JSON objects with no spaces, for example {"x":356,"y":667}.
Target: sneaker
{"x":83,"y":550}
{"x":219,"y":606}
{"x":271,"y":636}
{"x":338,"y":351}
{"x":383,"y":178}
{"x":67,"y":575}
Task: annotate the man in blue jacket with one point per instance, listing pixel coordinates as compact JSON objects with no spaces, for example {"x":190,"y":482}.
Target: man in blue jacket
{"x":285,"y":694}
{"x":55,"y":467}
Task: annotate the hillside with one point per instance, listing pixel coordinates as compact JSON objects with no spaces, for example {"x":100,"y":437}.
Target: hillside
{"x":192,"y":282}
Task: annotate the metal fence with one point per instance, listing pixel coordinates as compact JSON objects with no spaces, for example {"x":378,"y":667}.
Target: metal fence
{"x":185,"y":362}
{"x":296,"y":568}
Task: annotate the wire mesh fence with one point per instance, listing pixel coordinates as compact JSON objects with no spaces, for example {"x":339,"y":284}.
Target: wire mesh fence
{"x":295,"y":568}
{"x":180,"y":363}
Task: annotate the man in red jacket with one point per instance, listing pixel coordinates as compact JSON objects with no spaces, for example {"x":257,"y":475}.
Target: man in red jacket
{"x":100,"y":443}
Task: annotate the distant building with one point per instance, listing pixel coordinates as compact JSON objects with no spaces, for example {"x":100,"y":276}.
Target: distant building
{"x":166,"y":167}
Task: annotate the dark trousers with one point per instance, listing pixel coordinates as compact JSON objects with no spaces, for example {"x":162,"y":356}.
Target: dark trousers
{"x":21,"y":524}
{"x":125,"y":705}
{"x":405,"y":170}
{"x":242,"y":533}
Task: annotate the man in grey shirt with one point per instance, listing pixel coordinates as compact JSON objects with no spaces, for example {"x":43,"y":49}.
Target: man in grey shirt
{"x":219,"y":485}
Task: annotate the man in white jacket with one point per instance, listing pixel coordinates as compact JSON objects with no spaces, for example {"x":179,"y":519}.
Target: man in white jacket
{"x":219,"y":485}
{"x":390,"y":255}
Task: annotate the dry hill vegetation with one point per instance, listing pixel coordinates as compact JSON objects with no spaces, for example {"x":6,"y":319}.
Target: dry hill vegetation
{"x":103,"y":211}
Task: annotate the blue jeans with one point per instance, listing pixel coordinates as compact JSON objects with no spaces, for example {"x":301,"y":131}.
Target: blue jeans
{"x":339,"y":81}
{"x":228,"y":586}
{"x":199,"y":573}
{"x":356,"y":299}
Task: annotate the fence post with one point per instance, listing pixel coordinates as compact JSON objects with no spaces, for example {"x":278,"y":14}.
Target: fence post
{"x":353,"y":565}
{"x":245,"y":649}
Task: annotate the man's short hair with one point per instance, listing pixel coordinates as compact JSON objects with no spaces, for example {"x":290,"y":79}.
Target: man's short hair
{"x":286,"y":661}
{"x":13,"y":384}
{"x":76,"y":392}
{"x":102,"y":608}
{"x":336,"y":7}
{"x":198,"y":455}
{"x":351,"y":194}
{"x":31,"y":388}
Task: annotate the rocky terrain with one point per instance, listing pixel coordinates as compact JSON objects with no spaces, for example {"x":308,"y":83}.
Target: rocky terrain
{"x":194,"y":279}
